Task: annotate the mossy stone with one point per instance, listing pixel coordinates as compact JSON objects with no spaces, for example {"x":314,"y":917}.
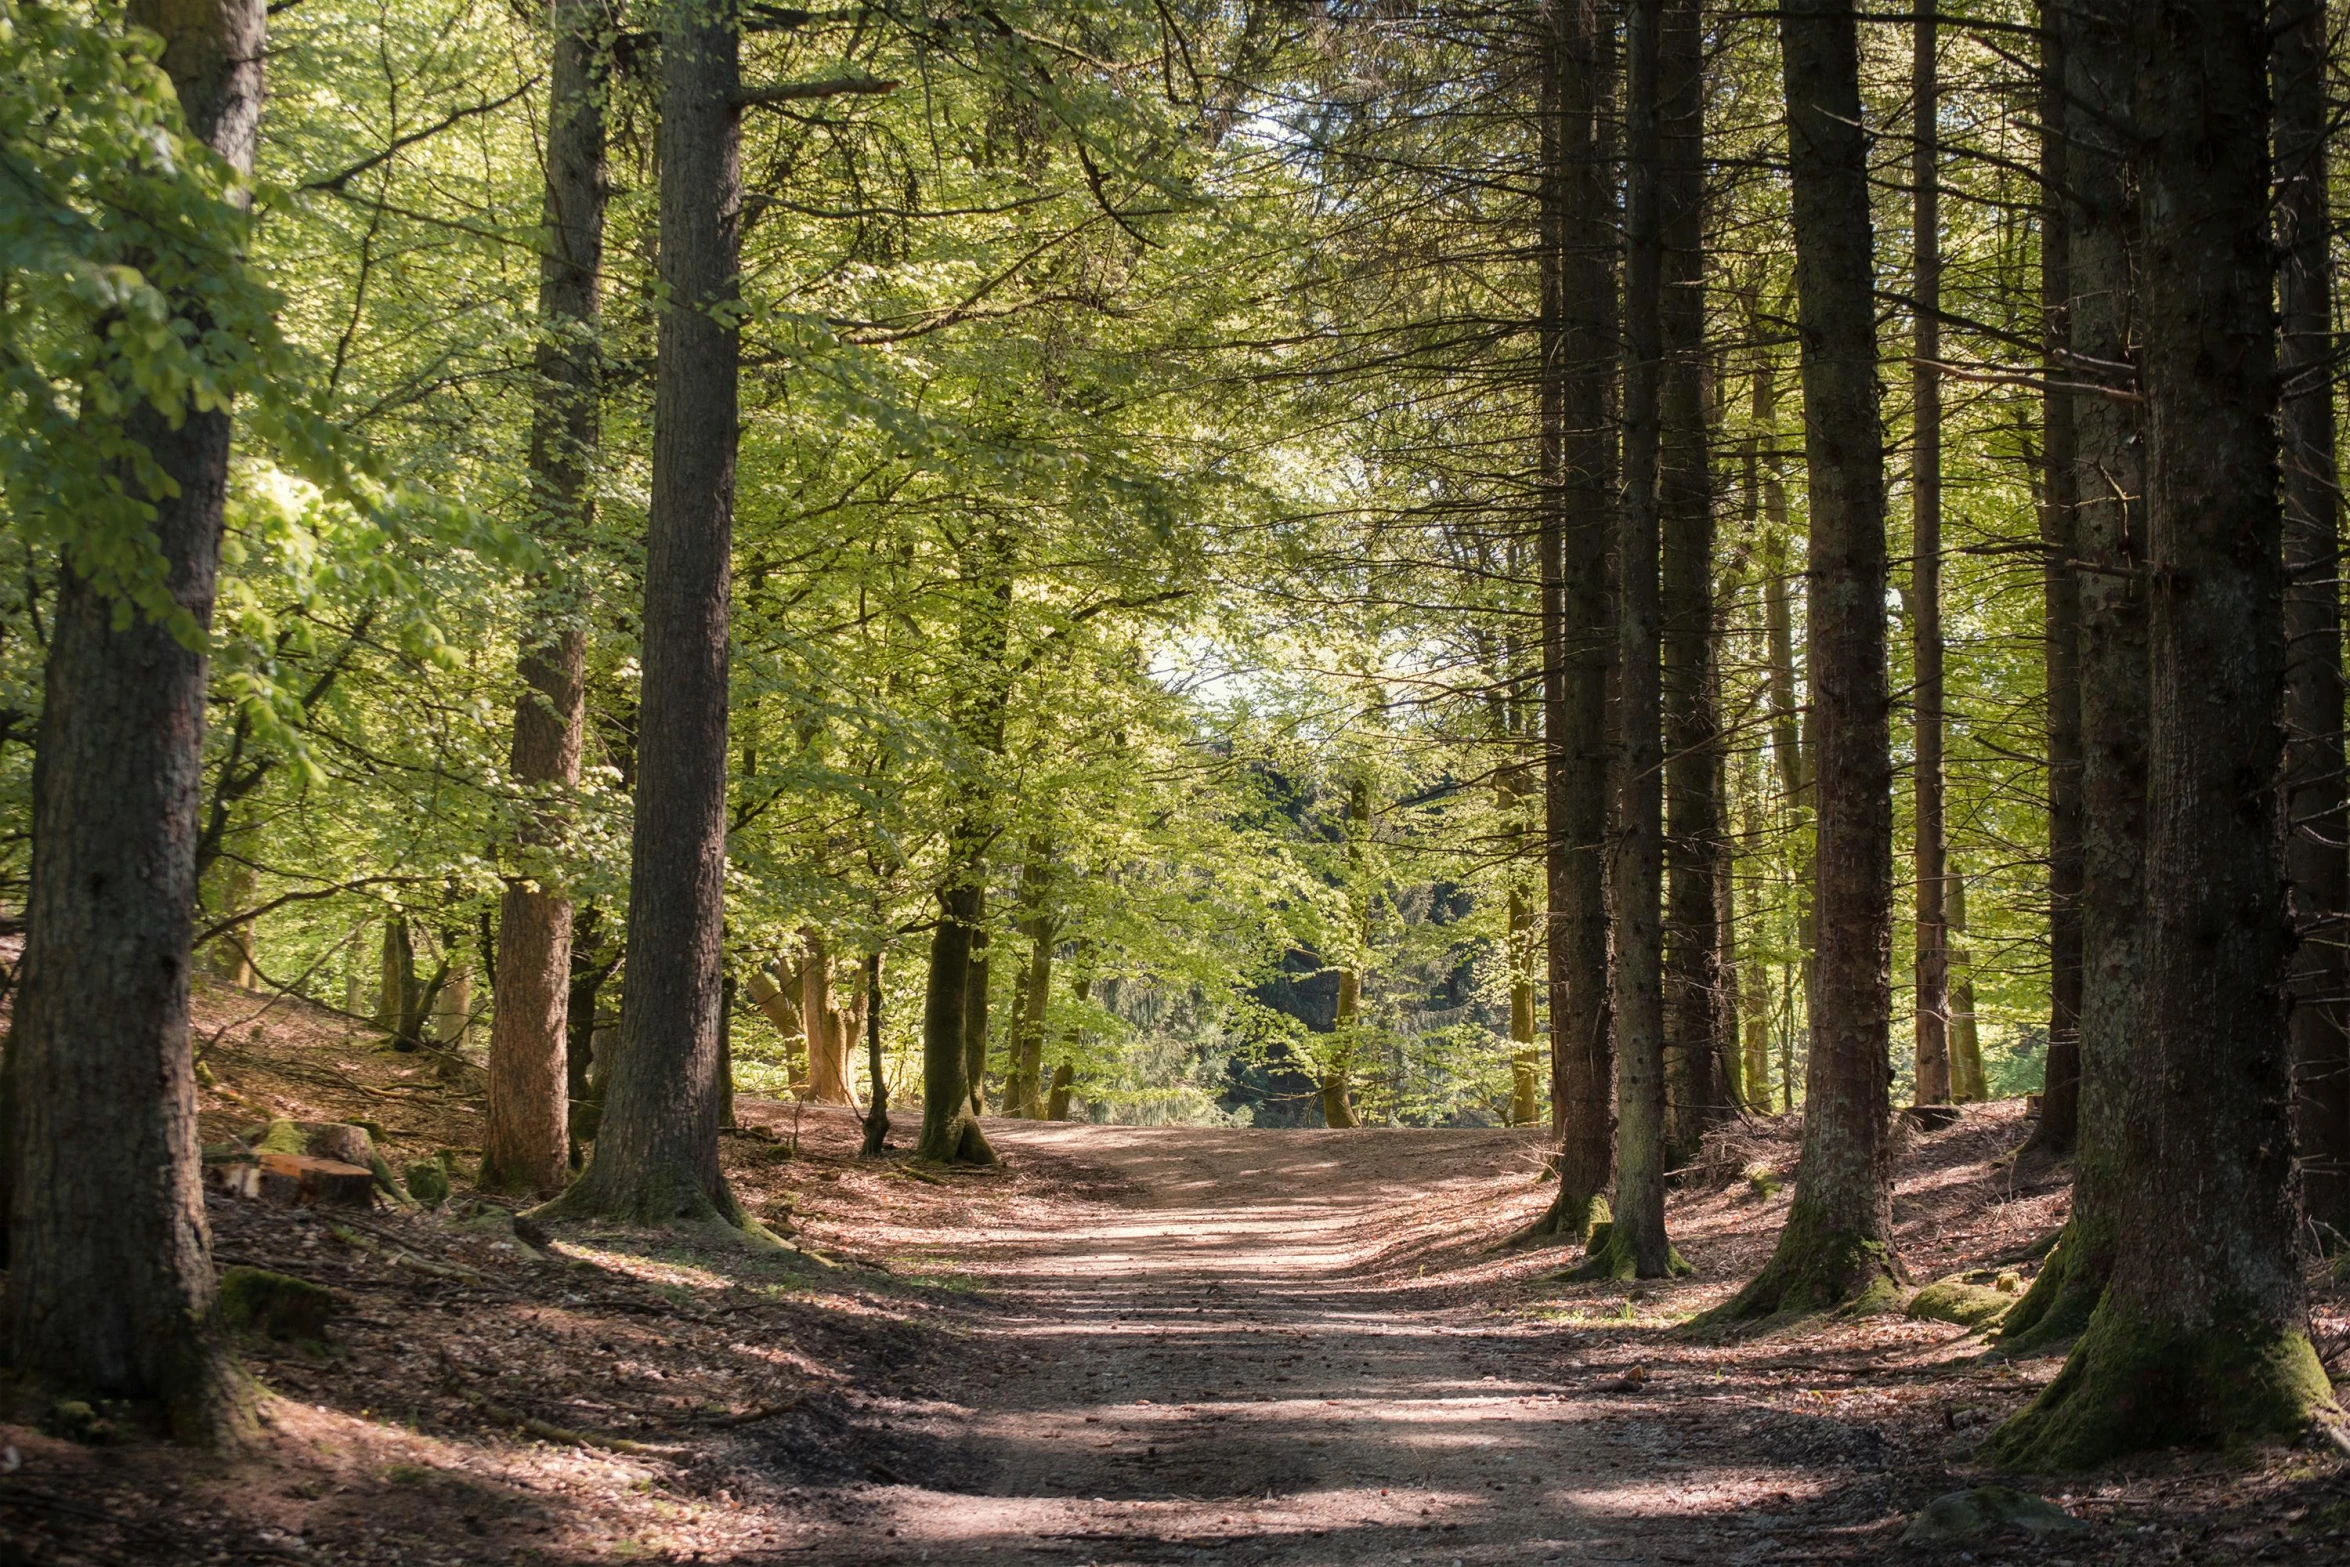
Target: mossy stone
{"x":1956,"y":1301}
{"x":255,"y":1300}
{"x":428,"y":1183}
{"x":1965,"y":1516}
{"x":76,"y":1421}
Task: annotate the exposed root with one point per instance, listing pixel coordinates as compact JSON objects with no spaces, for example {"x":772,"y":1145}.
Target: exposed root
{"x":1613,"y":1256}
{"x":1814,"y":1271}
{"x":2132,"y":1384}
{"x":2057,"y":1307}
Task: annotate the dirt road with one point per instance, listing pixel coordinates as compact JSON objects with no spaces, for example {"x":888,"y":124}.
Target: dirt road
{"x":1266,"y":1347}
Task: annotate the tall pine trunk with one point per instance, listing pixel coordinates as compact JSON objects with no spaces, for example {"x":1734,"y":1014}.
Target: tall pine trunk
{"x":1577,"y":331}
{"x":1634,"y":1242}
{"x":1932,"y":971}
{"x":2318,"y":851}
{"x":524,"y":1136}
{"x":1697,"y":1068}
{"x":2109,"y":540}
{"x":2060,"y":1101}
{"x":656,"y":1157}
{"x":1838,"y":1242}
{"x":2202,"y":1333}
{"x":110,"y":1288}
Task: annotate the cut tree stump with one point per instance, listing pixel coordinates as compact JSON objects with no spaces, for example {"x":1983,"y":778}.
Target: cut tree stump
{"x":301,"y":1180}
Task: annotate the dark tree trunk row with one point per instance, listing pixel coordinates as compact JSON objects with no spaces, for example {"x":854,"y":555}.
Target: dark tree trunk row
{"x":2201,"y":1333}
{"x":1699,"y":1045}
{"x":1633,"y":1244}
{"x":1577,"y":335}
{"x":1932,"y":970}
{"x":2060,"y":493}
{"x":2317,"y":857}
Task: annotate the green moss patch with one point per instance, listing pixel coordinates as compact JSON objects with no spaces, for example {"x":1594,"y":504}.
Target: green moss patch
{"x":254,"y":1300}
{"x":1956,"y":1301}
{"x":2131,"y":1384}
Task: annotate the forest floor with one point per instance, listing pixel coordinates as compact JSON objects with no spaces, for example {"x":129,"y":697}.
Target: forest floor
{"x":1128,"y":1346}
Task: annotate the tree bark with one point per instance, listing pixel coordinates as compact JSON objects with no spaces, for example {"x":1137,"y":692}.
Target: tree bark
{"x":2109,"y":540}
{"x":2202,"y":1333}
{"x":1576,"y":337}
{"x":1634,"y":1244}
{"x":876,"y":1141}
{"x":1838,"y":1242}
{"x":1966,"y":1049}
{"x":2318,"y":850}
{"x":2060,"y":493}
{"x":525,"y":1133}
{"x":656,"y":1158}
{"x":975,"y":1013}
{"x":1337,"y":1087}
{"x":1036,"y":992}
{"x":1932,"y":970}
{"x":827,"y":1082}
{"x":110,"y":1291}
{"x":1696,"y":1071}
{"x":950,"y":1133}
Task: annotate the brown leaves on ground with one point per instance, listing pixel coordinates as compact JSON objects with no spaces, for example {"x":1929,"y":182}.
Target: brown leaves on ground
{"x":1131,"y":1345}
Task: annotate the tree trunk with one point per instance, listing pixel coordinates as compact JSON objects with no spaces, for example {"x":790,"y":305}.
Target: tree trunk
{"x":1787,"y":720}
{"x":1838,"y":1243}
{"x":1576,"y":337}
{"x":656,"y":1157}
{"x":828,"y":1043}
{"x":1036,"y":1001}
{"x":1755,"y":989}
{"x":1633,"y":1244}
{"x":110,"y":1291}
{"x":1696,"y":1096}
{"x":950,"y":1133}
{"x":1932,"y":971}
{"x":396,"y":998}
{"x":2060,"y":493}
{"x":1057,"y":1104}
{"x":1337,"y":1068}
{"x":1966,"y":1049}
{"x":2318,"y":850}
{"x":452,"y":1010}
{"x":780,"y":1002}
{"x":877,"y":1100}
{"x":232,"y":950}
{"x":2202,"y":1334}
{"x":1525,"y":1051}
{"x":524,"y":1143}
{"x":975,"y":1014}
{"x":2109,"y":539}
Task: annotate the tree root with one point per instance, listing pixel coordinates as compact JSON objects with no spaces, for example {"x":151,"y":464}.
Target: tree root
{"x":1814,"y":1271}
{"x":2058,"y":1306}
{"x":958,"y":1141}
{"x":1569,"y":1218}
{"x":2132,"y":1384}
{"x":1613,"y":1256}
{"x":547,"y":1430}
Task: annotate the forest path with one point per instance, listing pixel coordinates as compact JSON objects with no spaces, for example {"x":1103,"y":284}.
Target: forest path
{"x":1268,"y":1347}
